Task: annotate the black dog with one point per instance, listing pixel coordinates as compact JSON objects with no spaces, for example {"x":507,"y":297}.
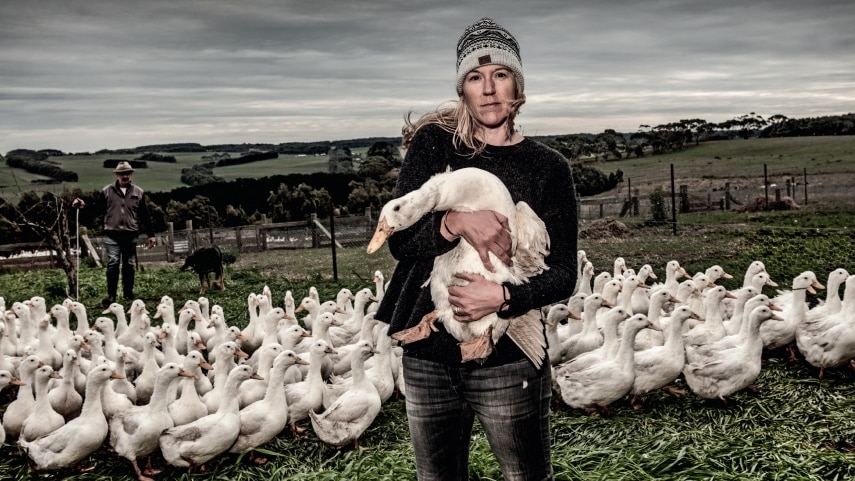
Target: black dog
{"x":205,"y":260}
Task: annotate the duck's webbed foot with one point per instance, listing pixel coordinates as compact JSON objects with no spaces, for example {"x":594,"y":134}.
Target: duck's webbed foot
{"x":477,"y":349}
{"x":418,"y":332}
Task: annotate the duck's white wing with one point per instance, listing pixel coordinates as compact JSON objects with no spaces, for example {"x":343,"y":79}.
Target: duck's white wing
{"x":532,"y":242}
{"x":527,"y":332}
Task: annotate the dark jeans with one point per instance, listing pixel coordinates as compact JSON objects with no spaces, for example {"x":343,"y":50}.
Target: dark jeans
{"x":121,"y":249}
{"x":510,"y":401}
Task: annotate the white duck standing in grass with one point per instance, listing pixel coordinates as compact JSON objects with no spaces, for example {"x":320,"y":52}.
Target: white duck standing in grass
{"x":603,"y":383}
{"x":776,"y":335}
{"x":192,"y":445}
{"x":189,"y":406}
{"x":659,"y":366}
{"x":6,"y":379}
{"x":18,"y":410}
{"x":44,"y":419}
{"x":135,"y":432}
{"x":78,"y":438}
{"x":308,"y":394}
{"x":263,"y":420}
{"x":354,"y":410}
{"x":468,"y":190}
{"x":730,"y":370}
{"x":835,"y":345}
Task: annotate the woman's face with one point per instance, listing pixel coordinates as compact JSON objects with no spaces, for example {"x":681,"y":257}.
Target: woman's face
{"x":488,"y":91}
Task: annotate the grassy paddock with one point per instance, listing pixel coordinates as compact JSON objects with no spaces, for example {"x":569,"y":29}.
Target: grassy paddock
{"x":792,"y":426}
{"x":709,"y":161}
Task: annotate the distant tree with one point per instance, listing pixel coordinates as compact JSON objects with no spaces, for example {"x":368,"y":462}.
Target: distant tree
{"x":387,"y":151}
{"x":365,"y":194}
{"x":235,"y":216}
{"x":375,"y":167}
{"x":340,"y":160}
{"x":198,"y":209}
{"x":299,"y":203}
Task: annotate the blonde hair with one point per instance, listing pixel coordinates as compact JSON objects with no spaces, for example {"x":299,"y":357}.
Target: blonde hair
{"x":459,"y":120}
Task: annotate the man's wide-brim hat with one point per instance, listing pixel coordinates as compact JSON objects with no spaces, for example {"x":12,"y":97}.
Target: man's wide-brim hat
{"x":123,"y":167}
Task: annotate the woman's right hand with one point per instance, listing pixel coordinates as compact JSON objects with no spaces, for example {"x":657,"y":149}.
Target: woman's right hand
{"x":486,"y":230}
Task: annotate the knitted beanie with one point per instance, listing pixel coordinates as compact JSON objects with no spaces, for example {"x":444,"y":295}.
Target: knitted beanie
{"x":483,"y":43}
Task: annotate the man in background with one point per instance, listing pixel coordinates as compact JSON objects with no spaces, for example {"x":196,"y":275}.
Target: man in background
{"x":126,"y":215}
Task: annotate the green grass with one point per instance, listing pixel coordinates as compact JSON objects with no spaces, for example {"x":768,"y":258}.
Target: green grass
{"x":792,"y":426}
{"x":788,"y":156}
{"x":709,"y":160}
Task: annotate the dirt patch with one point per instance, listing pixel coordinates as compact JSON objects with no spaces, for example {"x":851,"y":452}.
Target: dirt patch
{"x":761,"y":204}
{"x":604,"y":228}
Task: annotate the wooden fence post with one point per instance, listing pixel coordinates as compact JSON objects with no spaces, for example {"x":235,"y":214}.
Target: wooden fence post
{"x":684,"y":199}
{"x":238,"y":240}
{"x":727,"y":196}
{"x":170,"y":242}
{"x":316,"y":237}
{"x":191,"y":236}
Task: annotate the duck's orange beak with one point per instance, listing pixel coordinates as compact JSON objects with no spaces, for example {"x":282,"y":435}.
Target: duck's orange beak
{"x":384,"y":230}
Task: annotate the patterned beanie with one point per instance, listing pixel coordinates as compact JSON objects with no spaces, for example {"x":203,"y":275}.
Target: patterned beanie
{"x":483,"y":43}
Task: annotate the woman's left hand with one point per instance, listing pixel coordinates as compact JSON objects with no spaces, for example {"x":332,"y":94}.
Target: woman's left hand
{"x":476,"y":299}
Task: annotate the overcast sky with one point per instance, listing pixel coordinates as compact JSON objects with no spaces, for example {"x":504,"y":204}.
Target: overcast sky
{"x":83,"y":75}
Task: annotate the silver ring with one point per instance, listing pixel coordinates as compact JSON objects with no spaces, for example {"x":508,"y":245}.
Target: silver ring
{"x":456,"y":310}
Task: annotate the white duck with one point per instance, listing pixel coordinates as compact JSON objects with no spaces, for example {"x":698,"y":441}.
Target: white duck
{"x":712,"y":328}
{"x":556,"y":314}
{"x":590,"y":338}
{"x":641,"y":297}
{"x":118,"y":310}
{"x":81,"y":315}
{"x":673,"y":272}
{"x":782,"y":334}
{"x":194,"y":444}
{"x":64,"y":397}
{"x":600,"y":384}
{"x":659,"y":366}
{"x":135,"y":432}
{"x":263,"y":420}
{"x":753,"y":269}
{"x":308,"y":394}
{"x":832,"y":303}
{"x":6,"y":379}
{"x":189,"y":406}
{"x":133,"y":336}
{"x":81,"y":436}
{"x":654,"y":337}
{"x":483,"y":191}
{"x":254,"y":390}
{"x":144,"y":383}
{"x":836,"y":344}
{"x":731,"y":370}
{"x":62,"y":331}
{"x":353,"y":412}
{"x":607,"y":350}
{"x":226,"y":353}
{"x":24,"y":404}
{"x":43,"y":419}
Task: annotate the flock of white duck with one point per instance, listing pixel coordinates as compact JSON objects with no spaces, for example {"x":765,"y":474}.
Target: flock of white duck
{"x":629,"y":335}
{"x":143,"y":387}
{"x":330,"y":364}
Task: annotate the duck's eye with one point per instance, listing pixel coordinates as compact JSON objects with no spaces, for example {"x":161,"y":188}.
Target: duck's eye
{"x":397,"y":208}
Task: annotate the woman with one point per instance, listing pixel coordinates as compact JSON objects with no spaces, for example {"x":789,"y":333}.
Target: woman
{"x":506,"y":392}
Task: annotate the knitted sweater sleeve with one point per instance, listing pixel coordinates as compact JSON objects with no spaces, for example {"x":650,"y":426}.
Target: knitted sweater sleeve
{"x":557,"y":209}
{"x":423,"y":240}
